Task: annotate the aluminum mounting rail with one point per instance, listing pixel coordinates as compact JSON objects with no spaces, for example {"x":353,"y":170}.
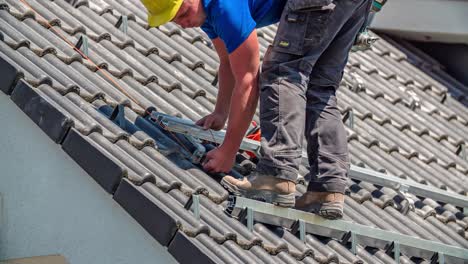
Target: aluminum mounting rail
{"x":386,"y":180}
{"x":348,"y":232}
{"x":187,"y":127}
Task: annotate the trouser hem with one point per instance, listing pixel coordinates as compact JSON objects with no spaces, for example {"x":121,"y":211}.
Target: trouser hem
{"x":333,"y":187}
{"x":278,"y":172}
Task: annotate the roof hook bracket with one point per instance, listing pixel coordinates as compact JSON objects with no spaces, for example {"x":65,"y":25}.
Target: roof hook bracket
{"x":299,"y":227}
{"x":83,"y":45}
{"x":349,"y":118}
{"x":118,"y":116}
{"x":403,"y":191}
{"x":199,"y":150}
{"x":246,"y":216}
{"x":461,"y":151}
{"x":395,"y":247}
{"x":250,"y":219}
{"x":438,"y":258}
{"x":122,"y":24}
{"x":351,"y":237}
{"x":193,"y":204}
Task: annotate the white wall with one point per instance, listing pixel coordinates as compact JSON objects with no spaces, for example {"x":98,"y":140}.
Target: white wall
{"x":426,"y":20}
{"x":51,"y":206}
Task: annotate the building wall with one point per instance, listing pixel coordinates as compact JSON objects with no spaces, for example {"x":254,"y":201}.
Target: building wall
{"x":49,"y":205}
{"x":425,"y":20}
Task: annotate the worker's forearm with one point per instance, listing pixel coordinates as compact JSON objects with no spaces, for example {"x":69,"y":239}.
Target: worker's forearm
{"x":243,"y":106}
{"x":226,"y":87}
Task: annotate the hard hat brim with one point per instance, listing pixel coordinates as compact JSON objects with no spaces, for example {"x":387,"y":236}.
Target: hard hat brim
{"x":164,"y":17}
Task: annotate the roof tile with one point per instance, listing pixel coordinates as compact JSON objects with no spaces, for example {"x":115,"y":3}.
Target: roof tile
{"x":171,"y":70}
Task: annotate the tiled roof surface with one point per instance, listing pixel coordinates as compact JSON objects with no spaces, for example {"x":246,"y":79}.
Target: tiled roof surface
{"x":410,"y":120}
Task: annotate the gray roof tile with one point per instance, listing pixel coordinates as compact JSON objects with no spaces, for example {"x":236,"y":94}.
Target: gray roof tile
{"x":171,"y":70}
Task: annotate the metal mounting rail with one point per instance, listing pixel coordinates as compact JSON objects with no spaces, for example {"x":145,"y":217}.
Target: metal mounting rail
{"x":187,"y":127}
{"x":386,"y":180}
{"x":345,"y":231}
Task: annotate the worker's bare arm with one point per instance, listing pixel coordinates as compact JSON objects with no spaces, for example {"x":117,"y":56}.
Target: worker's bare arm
{"x":217,"y":119}
{"x":226,"y":78}
{"x":245,"y":68}
{"x":244,"y":64}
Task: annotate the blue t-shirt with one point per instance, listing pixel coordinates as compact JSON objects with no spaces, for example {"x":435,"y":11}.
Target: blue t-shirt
{"x":234,"y":20}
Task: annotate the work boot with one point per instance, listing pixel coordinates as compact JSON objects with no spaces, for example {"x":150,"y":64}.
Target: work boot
{"x":326,"y":204}
{"x":264,"y":188}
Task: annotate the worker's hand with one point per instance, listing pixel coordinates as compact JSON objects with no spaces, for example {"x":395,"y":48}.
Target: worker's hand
{"x":219,"y":160}
{"x":213,"y":121}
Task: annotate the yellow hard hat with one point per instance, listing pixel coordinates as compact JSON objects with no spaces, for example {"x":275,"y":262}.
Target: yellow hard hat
{"x":161,"y":11}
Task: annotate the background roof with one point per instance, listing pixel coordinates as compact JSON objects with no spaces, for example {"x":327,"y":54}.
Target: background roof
{"x":410,"y":121}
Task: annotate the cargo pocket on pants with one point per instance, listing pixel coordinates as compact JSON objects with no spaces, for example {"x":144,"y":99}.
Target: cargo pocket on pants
{"x":302,"y":21}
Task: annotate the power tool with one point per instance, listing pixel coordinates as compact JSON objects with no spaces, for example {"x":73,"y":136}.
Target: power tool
{"x":364,"y":40}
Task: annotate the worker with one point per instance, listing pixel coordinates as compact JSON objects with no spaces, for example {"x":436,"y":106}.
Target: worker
{"x":297,"y":86}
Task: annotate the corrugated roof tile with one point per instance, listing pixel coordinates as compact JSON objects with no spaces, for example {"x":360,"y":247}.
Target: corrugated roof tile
{"x":171,"y":69}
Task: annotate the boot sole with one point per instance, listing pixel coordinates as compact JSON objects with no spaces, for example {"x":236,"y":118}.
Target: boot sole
{"x":330,"y":212}
{"x":283,"y":200}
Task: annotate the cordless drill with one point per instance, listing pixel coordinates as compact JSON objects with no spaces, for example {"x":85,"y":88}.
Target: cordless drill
{"x":364,"y":40}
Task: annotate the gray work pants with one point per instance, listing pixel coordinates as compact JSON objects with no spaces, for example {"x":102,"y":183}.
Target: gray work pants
{"x":301,"y":72}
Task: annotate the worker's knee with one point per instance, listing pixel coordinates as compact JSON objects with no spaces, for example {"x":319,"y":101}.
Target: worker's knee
{"x":332,"y":137}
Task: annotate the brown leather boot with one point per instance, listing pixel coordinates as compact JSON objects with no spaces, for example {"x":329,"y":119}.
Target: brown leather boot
{"x":263,"y":188}
{"x":326,"y":204}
